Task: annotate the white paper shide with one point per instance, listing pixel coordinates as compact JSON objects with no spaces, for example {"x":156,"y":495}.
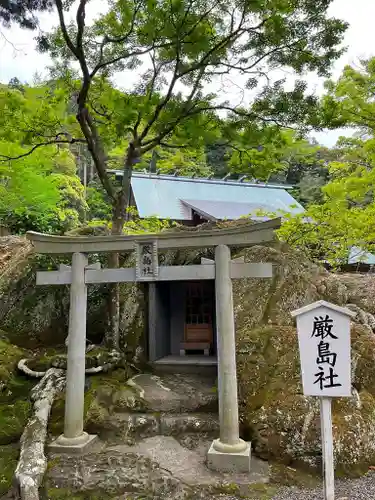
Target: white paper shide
{"x":324,"y":345}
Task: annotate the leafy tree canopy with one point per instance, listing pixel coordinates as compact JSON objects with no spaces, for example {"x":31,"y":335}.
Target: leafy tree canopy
{"x":22,"y":12}
{"x":177,"y":48}
{"x":39,"y":191}
{"x":35,"y":194}
{"x":349,"y":102}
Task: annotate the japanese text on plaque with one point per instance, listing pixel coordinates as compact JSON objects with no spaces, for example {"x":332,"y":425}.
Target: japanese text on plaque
{"x":324,"y":329}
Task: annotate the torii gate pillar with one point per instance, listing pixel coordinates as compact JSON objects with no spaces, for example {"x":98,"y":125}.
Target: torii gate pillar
{"x":74,"y":438}
{"x":229,"y":452}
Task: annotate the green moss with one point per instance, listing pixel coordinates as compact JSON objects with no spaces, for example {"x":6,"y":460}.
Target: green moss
{"x":13,"y":418}
{"x":93,"y":411}
{"x":116,"y":379}
{"x":281,"y":474}
{"x":231,"y":489}
{"x":42,"y":358}
{"x":60,"y":494}
{"x":9,"y":355}
{"x":8,"y":463}
{"x":65,"y":494}
{"x":14,"y":394}
{"x":56,"y":419}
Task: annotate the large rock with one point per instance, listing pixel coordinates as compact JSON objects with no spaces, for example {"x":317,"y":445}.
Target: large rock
{"x":33,"y":316}
{"x":282,"y":423}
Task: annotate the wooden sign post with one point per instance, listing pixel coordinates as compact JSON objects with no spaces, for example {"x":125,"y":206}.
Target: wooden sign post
{"x":324,"y":346}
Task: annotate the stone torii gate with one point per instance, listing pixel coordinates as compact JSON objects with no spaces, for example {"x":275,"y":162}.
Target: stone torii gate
{"x":229,"y":452}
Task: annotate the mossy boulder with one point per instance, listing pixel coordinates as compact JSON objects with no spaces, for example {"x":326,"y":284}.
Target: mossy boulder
{"x":35,"y":316}
{"x":282,"y":423}
{"x":264,"y":301}
{"x":15,"y":408}
{"x":105,"y":394}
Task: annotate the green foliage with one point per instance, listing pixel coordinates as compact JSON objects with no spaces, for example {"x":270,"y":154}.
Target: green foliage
{"x":349,"y":101}
{"x":169,"y":109}
{"x":21,"y":12}
{"x":39,"y":191}
{"x":271,"y":151}
{"x":341,"y":213}
{"x":99,"y":206}
{"x":33,"y":196}
{"x":147,"y":225}
{"x":37,"y":112}
{"x":186,"y":162}
{"x":345,"y":218}
{"x":309,"y":188}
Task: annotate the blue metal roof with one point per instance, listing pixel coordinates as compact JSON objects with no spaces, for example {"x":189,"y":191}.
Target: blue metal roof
{"x":173,"y":197}
{"x":357,"y":255}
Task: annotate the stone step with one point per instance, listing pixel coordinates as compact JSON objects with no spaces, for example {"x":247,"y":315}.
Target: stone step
{"x":176,"y":393}
{"x":130,"y":427}
{"x":149,"y":393}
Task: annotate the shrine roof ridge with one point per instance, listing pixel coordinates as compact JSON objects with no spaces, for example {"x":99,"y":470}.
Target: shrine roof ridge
{"x":322,"y":303}
{"x":241,"y":235}
{"x":206,"y":180}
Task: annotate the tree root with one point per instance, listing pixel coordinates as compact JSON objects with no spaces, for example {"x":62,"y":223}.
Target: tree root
{"x":32,"y":463}
{"x":28,"y":371}
{"x":114,"y":360}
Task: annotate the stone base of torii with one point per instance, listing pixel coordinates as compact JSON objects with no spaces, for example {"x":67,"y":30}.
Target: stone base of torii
{"x":228,"y":453}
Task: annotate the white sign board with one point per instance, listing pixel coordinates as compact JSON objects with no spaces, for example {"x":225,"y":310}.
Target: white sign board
{"x":324,"y":346}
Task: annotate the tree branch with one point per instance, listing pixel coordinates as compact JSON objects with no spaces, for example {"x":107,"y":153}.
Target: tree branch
{"x":64,"y":30}
{"x":81,"y":14}
{"x":130,"y":31}
{"x":162,"y":103}
{"x":49,"y":143}
{"x":128,"y":55}
{"x":173,"y":146}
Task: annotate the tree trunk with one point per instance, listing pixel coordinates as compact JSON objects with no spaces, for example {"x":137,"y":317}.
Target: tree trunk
{"x":119,"y":217}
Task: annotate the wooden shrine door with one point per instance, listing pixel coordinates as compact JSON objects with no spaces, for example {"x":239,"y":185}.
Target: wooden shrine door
{"x":199,"y":310}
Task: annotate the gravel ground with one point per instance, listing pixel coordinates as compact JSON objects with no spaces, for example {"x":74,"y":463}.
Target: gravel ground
{"x":348,"y":489}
